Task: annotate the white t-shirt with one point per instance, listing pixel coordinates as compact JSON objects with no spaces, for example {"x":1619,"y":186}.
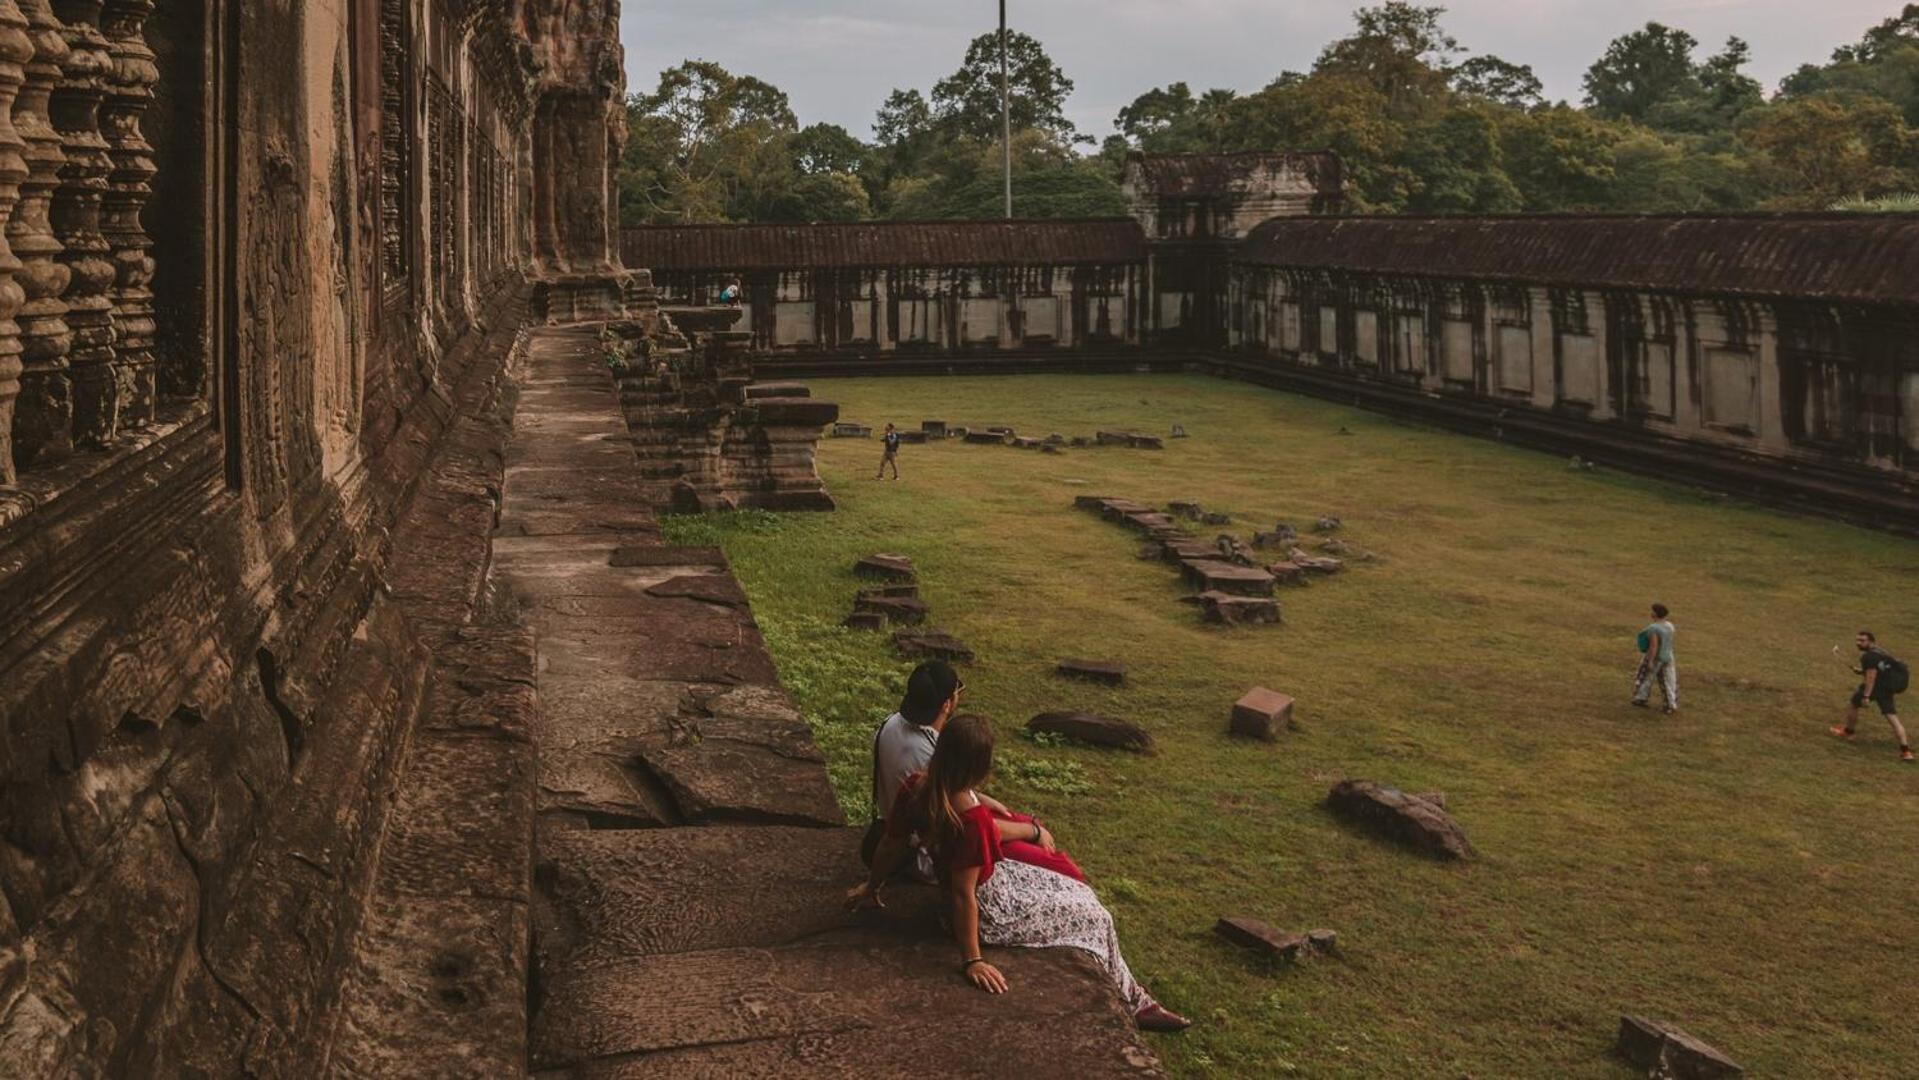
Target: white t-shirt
{"x":901,"y":749}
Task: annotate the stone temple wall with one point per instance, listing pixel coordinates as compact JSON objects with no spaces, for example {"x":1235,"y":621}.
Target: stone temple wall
{"x":256,"y":252}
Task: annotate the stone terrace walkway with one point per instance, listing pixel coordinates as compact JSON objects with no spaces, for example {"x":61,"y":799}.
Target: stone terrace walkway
{"x":690,"y":854}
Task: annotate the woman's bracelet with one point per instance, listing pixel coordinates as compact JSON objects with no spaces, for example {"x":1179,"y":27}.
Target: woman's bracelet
{"x":969,"y":964}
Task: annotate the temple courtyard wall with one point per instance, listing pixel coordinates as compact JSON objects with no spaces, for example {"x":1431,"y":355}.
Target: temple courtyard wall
{"x":1769,"y":355}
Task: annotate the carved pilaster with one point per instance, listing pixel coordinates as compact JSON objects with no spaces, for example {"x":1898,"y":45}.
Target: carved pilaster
{"x":43,"y":423}
{"x":16,"y":48}
{"x":129,"y":92}
{"x":75,"y":109}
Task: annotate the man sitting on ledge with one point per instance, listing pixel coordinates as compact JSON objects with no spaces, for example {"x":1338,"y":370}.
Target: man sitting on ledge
{"x":904,"y":746}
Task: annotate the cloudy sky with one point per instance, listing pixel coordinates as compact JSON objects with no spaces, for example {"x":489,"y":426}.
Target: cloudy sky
{"x":839,"y":58}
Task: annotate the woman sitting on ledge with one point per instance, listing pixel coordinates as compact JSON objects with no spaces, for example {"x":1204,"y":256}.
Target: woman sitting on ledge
{"x":996,"y":901}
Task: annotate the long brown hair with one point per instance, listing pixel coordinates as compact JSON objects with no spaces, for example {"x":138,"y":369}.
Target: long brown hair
{"x":962,"y":761}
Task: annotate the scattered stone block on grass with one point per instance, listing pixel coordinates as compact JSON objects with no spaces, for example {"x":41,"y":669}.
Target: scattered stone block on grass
{"x":1097,"y":730}
{"x":933,"y":428}
{"x":1026,"y":443}
{"x":1216,"y":575}
{"x":1050,"y":448}
{"x":1056,"y":439}
{"x":891,"y":589}
{"x":1262,"y":714}
{"x":1000,"y":429}
{"x":1082,"y":441}
{"x":1191,"y":511}
{"x":1216,"y":518}
{"x":866,"y":620}
{"x":985,"y":438}
{"x":1287,"y":573}
{"x":1179,"y":432}
{"x":1145,"y":442}
{"x":931,"y":644}
{"x":1261,"y":938}
{"x":1666,"y":1051}
{"x":1283,"y":535}
{"x":852,"y":431}
{"x":1219,"y":607}
{"x":1186,"y":549}
{"x":885,"y":568}
{"x":1113,"y":438}
{"x":1315,"y":564}
{"x":899,"y":610}
{"x":1099,"y":671}
{"x":1395,"y":815}
{"x":1327,"y":524}
{"x":1323,"y":942}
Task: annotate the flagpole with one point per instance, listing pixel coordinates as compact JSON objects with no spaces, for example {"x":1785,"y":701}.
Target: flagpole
{"x":1005,"y":112}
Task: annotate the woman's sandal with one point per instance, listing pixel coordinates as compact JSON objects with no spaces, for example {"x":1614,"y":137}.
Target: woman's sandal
{"x":1157,"y":1017}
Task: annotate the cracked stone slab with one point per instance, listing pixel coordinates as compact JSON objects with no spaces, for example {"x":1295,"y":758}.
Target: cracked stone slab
{"x":726,"y":769}
{"x":606,"y":896}
{"x":839,"y":1002}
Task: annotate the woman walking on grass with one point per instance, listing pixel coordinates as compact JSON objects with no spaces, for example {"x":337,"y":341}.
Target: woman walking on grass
{"x":996,"y":901}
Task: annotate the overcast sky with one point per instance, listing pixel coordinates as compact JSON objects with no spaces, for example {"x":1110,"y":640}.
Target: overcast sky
{"x":838,"y":59}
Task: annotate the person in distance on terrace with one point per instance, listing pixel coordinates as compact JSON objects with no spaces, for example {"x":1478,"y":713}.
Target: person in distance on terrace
{"x":996,"y":900}
{"x":904,"y":746}
{"x":1885,"y":679}
{"x":890,"y":455}
{"x":1656,"y":663}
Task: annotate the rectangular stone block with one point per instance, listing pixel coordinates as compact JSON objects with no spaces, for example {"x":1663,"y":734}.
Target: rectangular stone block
{"x":1262,"y":714}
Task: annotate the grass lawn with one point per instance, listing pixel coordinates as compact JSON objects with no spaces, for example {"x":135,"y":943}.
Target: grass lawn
{"x":1732,"y":868}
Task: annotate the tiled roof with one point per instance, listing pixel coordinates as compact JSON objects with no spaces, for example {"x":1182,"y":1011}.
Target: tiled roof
{"x":884,"y":244}
{"x":1867,"y":258}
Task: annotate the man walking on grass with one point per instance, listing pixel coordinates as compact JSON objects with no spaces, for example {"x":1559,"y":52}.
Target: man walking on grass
{"x":1656,"y":663}
{"x":1886,"y":678}
{"x":891,"y":454}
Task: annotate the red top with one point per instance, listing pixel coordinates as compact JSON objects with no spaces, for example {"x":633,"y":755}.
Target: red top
{"x":978,"y":842}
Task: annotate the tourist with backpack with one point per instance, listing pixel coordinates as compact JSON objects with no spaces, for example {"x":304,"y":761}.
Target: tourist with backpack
{"x":1656,"y":663}
{"x":1886,"y":677}
{"x":996,"y":900}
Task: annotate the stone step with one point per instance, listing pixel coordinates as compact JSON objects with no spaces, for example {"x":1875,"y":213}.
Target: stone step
{"x":771,"y":977}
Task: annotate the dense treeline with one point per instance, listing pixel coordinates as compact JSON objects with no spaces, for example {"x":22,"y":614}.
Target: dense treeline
{"x":1423,"y":126}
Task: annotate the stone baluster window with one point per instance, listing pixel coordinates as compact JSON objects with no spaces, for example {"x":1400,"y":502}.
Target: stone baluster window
{"x":395,"y":186}
{"x":43,"y":421}
{"x":76,"y":223}
{"x":129,"y":86}
{"x":16,"y":48}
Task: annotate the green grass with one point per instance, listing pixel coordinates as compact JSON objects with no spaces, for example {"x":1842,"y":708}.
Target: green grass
{"x":1732,"y":869}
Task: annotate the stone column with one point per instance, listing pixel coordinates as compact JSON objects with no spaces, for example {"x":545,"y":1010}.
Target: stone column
{"x":16,"y":48}
{"x":43,"y":423}
{"x":129,"y":92}
{"x":75,"y":108}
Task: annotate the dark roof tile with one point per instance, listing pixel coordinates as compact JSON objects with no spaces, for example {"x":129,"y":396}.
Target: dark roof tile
{"x":1860,"y":258}
{"x":884,"y":244}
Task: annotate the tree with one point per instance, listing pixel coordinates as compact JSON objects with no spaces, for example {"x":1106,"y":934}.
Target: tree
{"x":822,"y":196}
{"x":1561,"y":158}
{"x":1825,"y":149}
{"x":1173,"y":121}
{"x":1489,"y":78}
{"x":827,"y":148}
{"x":704,"y":145}
{"x":1642,"y":70}
{"x":1399,"y":48}
{"x":967,"y":102}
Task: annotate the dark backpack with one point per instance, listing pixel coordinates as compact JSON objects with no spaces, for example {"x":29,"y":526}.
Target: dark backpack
{"x":1895,"y":676}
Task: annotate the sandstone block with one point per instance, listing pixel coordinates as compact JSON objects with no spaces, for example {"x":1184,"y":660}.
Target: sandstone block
{"x":985,"y":438}
{"x":900,"y":610}
{"x":1262,"y":714}
{"x":1327,"y":524}
{"x":1219,"y":607}
{"x":1667,"y":1051}
{"x":931,"y":644}
{"x":1261,"y":938}
{"x":934,"y":428}
{"x":885,"y":567}
{"x":866,"y":620}
{"x":1395,"y":815}
{"x":1097,"y":730}
{"x":1323,"y":941}
{"x":1215,"y":575}
{"x":892,"y":589}
{"x":1099,"y":671}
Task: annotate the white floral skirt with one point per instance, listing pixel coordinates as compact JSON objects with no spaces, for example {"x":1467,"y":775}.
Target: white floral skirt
{"x":1024,"y":906}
